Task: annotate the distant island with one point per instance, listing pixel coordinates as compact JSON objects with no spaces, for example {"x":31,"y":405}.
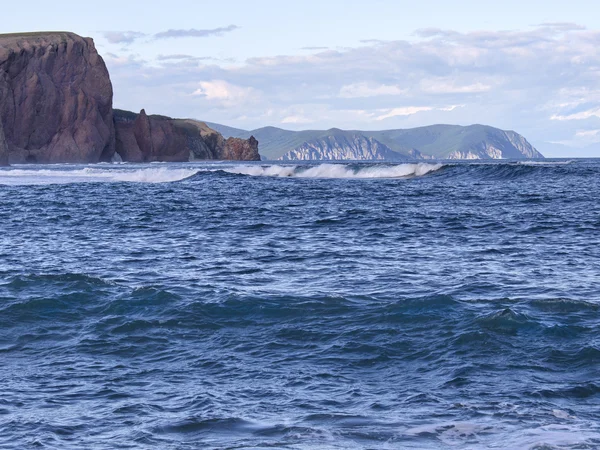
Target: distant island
{"x":56,"y":106}
{"x":430,"y":142}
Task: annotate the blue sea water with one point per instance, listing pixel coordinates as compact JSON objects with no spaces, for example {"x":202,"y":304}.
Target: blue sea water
{"x":326,"y":306}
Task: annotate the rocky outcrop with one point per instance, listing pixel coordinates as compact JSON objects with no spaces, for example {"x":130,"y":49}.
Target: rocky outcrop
{"x":55,"y":99}
{"x":143,"y":138}
{"x":241,"y":149}
{"x":343,"y":147}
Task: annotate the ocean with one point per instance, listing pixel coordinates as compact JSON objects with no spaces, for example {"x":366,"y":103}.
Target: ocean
{"x":311,"y":306}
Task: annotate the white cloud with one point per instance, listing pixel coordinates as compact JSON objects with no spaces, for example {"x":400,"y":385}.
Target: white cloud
{"x":405,"y":111}
{"x":449,"y":87}
{"x":123,"y":37}
{"x":195,"y":33}
{"x":411,"y":110}
{"x":223,"y":92}
{"x":296,"y":120}
{"x":359,"y":90}
{"x":594,"y":112}
{"x":588,"y":134}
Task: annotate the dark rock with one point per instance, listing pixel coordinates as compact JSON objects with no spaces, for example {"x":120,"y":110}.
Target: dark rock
{"x":3,"y":148}
{"x":55,"y":99}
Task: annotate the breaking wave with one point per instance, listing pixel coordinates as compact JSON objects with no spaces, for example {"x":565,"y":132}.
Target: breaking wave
{"x":172,"y":172}
{"x":337,"y":170}
{"x":94,"y":175}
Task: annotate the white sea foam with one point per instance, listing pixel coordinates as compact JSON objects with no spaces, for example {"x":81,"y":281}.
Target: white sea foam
{"x":18,"y":176}
{"x":545,"y":163}
{"x":336,"y":170}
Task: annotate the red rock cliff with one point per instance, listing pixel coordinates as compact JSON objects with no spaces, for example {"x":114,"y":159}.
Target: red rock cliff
{"x":55,"y":99}
{"x":143,"y":138}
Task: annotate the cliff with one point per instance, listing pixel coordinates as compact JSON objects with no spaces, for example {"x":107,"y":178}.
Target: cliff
{"x":144,"y":138}
{"x":430,"y":142}
{"x":55,"y":99}
{"x":3,"y":147}
{"x":343,"y":146}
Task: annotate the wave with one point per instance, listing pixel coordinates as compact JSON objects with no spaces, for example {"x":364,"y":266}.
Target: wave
{"x":336,"y":170}
{"x":165,"y":172}
{"x":94,"y":175}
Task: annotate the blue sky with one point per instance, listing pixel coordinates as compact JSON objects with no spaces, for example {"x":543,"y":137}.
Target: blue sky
{"x":530,"y":66}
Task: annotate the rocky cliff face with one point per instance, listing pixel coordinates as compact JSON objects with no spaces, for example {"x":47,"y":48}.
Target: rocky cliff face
{"x":55,"y":99}
{"x":343,"y":147}
{"x":143,"y":138}
{"x":147,"y":139}
{"x":506,"y":145}
{"x":3,"y":147}
{"x":521,"y":145}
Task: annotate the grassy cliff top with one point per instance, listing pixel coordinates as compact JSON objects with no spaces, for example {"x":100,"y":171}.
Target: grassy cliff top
{"x":37,"y":36}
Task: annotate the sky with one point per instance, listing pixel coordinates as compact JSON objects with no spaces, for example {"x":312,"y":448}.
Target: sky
{"x":529,"y":66}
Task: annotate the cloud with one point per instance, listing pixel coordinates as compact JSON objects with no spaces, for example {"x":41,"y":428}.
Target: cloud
{"x":195,"y":33}
{"x":435,"y":32}
{"x":358,"y":90}
{"x":224,"y":93}
{"x":442,"y":86}
{"x":190,"y":60}
{"x":131,"y":62}
{"x":581,"y":138}
{"x":129,"y":37}
{"x":588,"y":134}
{"x":410,"y":110}
{"x":405,"y":111}
{"x":296,"y":120}
{"x":594,"y":112}
{"x":174,"y":57}
{"x":314,"y":48}
{"x":563,"y":26}
{"x":543,"y":82}
{"x":122,"y":37}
